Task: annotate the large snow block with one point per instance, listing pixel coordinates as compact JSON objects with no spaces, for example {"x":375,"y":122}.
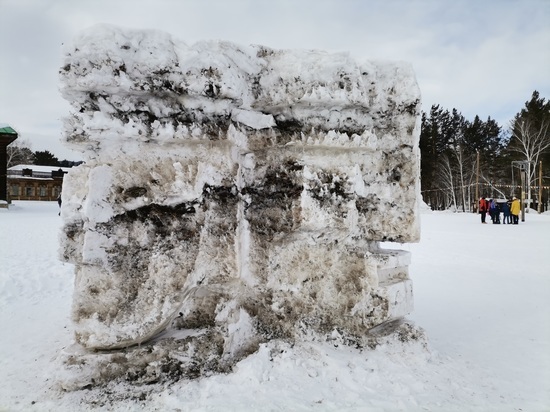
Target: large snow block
{"x":241,"y":190}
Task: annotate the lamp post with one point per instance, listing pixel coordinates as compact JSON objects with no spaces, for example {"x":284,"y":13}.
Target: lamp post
{"x":476,"y":208}
{"x":523,"y":167}
{"x":539,"y":203}
{"x":522,"y":197}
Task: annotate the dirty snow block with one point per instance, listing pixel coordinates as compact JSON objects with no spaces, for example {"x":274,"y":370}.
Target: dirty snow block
{"x":242,"y":190}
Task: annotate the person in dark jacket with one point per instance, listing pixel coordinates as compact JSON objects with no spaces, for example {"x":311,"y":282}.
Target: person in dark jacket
{"x":483,"y":208}
{"x":59,"y":203}
{"x":506,"y":216}
{"x":494,"y":211}
{"x":498,"y":210}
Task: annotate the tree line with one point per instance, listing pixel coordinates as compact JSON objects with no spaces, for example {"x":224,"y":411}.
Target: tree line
{"x":459,"y":155}
{"x":19,"y":153}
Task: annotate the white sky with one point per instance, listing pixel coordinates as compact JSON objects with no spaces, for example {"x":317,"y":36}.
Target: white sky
{"x":482,"y":57}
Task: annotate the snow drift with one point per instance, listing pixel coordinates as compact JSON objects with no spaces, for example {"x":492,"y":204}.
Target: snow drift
{"x":233,"y":195}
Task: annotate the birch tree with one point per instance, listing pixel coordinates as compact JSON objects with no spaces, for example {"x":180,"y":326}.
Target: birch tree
{"x":447,"y":179}
{"x":530,"y":134}
{"x":18,"y":153}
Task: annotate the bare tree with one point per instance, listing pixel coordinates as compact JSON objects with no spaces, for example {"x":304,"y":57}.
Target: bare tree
{"x":492,"y":186}
{"x":458,"y":151}
{"x":19,"y":152}
{"x":531,"y":142}
{"x":447,"y":179}
{"x":471,"y":175}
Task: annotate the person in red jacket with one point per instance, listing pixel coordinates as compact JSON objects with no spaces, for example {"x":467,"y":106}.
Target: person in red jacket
{"x":483,"y":208}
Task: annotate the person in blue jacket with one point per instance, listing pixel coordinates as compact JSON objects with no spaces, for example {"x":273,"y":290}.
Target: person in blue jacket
{"x":506,"y":216}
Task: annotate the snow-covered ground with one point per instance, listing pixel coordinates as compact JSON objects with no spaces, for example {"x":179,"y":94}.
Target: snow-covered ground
{"x":482,"y":293}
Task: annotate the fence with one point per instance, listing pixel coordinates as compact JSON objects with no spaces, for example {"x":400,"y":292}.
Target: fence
{"x":441,"y":198}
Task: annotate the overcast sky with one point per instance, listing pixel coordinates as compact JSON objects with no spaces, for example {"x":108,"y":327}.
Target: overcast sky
{"x":482,"y":57}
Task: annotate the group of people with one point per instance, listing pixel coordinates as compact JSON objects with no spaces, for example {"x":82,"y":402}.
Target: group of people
{"x":510,"y":210}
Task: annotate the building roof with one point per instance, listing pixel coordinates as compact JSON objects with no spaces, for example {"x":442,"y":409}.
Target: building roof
{"x":6,"y":129}
{"x":39,"y":168}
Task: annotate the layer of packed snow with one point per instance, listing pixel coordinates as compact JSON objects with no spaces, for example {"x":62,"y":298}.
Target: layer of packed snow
{"x":125,"y":71}
{"x":481,"y":293}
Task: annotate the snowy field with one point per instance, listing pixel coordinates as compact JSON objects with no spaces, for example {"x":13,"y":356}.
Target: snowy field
{"x":482,"y":294}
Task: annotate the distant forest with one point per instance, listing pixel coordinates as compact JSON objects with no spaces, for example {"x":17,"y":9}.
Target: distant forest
{"x":460,"y":158}
{"x":19,"y":154}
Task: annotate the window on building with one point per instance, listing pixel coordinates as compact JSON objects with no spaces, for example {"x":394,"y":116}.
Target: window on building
{"x":43,"y":191}
{"x":56,"y":191}
{"x":29,"y":191}
{"x":15,"y":190}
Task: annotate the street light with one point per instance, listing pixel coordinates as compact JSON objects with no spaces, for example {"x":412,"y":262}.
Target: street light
{"x":523,"y":167}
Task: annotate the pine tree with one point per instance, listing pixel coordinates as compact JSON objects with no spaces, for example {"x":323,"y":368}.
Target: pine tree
{"x":45,"y":158}
{"x":449,"y":145}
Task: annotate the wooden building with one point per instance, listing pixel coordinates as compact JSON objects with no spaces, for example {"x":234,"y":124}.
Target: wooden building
{"x":7,"y":136}
{"x":33,"y":182}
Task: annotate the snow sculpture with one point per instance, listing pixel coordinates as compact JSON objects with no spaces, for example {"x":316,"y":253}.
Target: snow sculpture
{"x":239,"y":192}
